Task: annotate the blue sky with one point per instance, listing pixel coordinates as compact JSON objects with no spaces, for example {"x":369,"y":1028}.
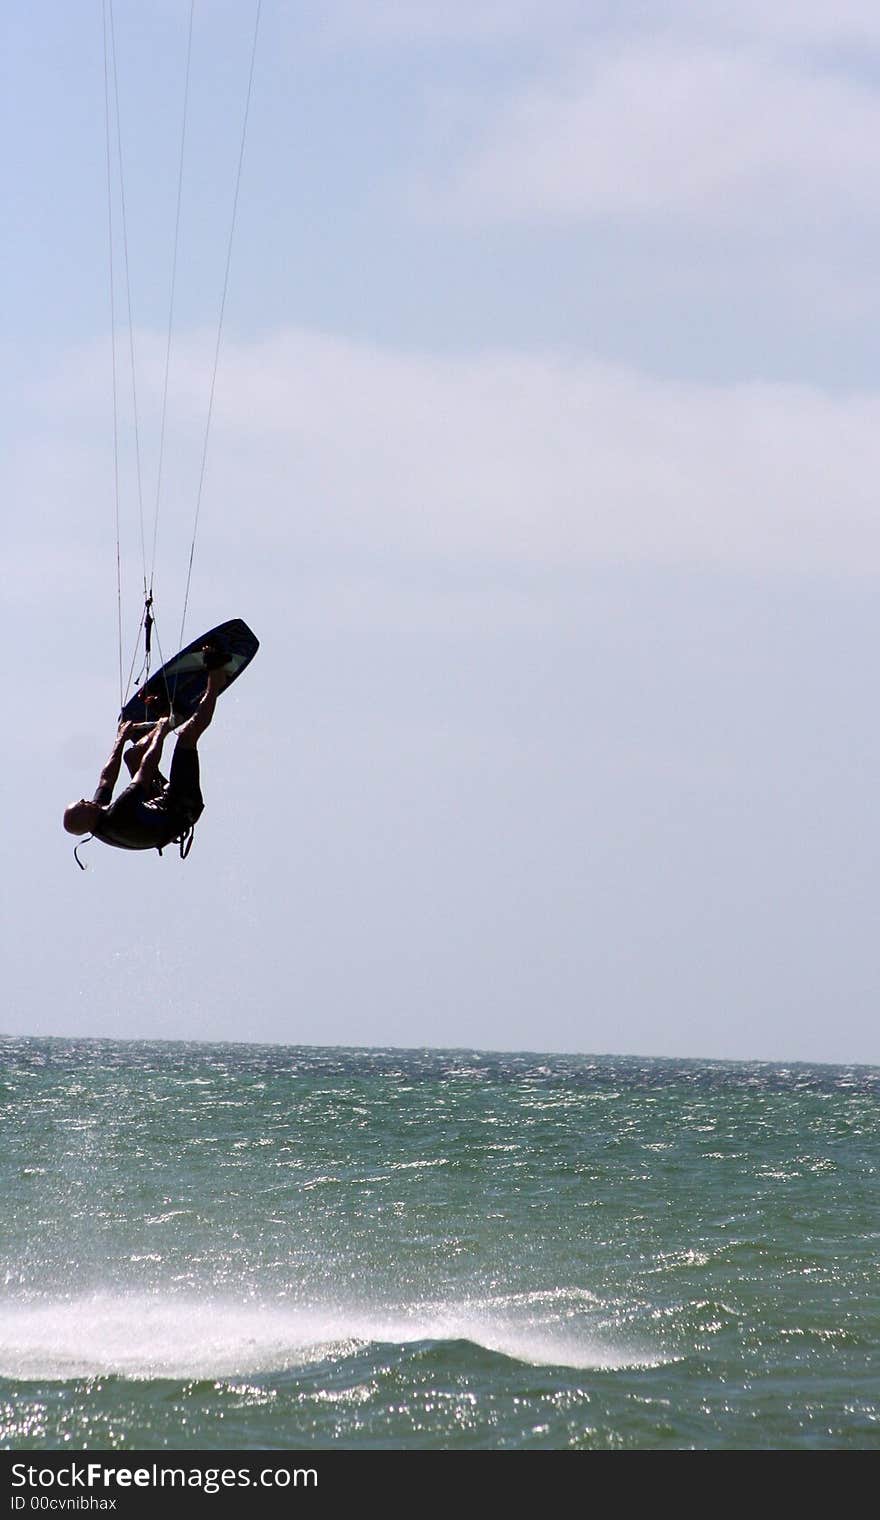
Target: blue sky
{"x":543,"y":463}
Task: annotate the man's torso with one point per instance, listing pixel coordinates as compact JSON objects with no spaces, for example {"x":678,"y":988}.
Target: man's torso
{"x":136,"y":822}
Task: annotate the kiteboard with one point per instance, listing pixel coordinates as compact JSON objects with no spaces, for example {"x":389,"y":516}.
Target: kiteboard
{"x":178,"y":687}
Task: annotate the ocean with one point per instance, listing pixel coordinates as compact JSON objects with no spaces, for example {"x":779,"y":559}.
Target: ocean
{"x":245,"y":1247}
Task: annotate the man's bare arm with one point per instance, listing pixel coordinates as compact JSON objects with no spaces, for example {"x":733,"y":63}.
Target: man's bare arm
{"x":110,"y":772}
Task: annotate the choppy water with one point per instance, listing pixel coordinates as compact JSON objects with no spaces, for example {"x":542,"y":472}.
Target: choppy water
{"x":256,"y":1247}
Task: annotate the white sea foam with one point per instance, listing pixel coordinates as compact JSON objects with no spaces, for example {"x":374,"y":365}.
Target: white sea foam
{"x":145,"y":1336}
{"x":139,"y":1336}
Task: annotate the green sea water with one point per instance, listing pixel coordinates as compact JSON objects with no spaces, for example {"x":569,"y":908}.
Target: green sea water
{"x":246,"y":1247}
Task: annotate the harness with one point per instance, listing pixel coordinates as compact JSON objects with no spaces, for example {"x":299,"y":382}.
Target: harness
{"x":183,"y":841}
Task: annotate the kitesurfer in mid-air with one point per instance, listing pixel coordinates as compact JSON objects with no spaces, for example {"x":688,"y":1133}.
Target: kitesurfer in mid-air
{"x":151,"y":812}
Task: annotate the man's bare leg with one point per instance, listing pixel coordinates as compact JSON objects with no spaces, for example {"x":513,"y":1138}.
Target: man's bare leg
{"x":134,"y":759}
{"x":148,"y":770}
{"x":190,"y":732}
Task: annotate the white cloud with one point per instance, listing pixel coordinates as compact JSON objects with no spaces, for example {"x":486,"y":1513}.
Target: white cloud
{"x":548,"y":461}
{"x":724,"y":135}
{"x":331,"y":449}
{"x":745,"y":117}
{"x":790,"y":23}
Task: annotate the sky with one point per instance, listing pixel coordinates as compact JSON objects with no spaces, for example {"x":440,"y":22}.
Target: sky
{"x":542,"y":461}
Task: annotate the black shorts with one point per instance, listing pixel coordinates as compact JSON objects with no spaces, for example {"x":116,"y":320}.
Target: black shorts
{"x":184,"y":797}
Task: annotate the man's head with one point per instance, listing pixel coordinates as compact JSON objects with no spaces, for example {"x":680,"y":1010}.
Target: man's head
{"x":80,"y":817}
